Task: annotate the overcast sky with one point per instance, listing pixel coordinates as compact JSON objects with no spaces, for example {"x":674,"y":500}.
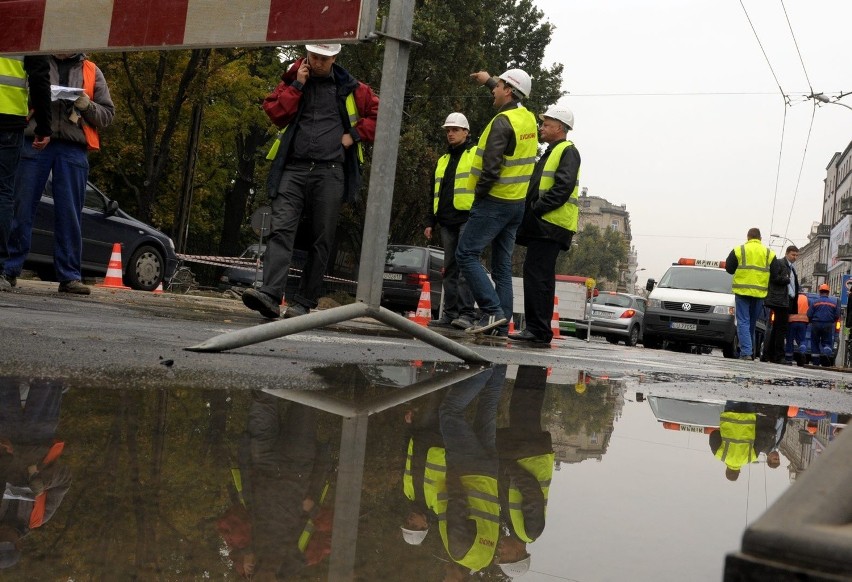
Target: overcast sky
{"x":697,"y":171}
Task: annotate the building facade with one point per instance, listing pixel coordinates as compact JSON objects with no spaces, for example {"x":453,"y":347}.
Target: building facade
{"x":605,"y":215}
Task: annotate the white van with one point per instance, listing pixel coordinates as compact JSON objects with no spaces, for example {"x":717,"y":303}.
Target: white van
{"x":693,"y":305}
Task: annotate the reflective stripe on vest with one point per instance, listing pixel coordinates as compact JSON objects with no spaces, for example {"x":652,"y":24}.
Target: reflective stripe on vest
{"x":308,"y":530}
{"x":484,"y":510}
{"x":462,"y":197}
{"x":13,"y":87}
{"x":434,"y":475}
{"x":93,"y":140}
{"x":540,"y":467}
{"x":351,"y":111}
{"x":738,"y":430}
{"x":752,"y":275}
{"x":515,"y":170}
{"x":566,"y":216}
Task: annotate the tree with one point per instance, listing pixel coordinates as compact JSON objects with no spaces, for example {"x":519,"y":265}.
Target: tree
{"x":595,"y":253}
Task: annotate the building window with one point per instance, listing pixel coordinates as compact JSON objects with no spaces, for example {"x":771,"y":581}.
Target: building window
{"x":614,"y":225}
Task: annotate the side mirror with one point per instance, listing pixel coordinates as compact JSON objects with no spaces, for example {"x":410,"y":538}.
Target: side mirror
{"x":650,"y":285}
{"x":112,"y":207}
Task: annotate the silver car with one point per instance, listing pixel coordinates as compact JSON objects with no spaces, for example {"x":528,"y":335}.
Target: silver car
{"x":618,"y":317}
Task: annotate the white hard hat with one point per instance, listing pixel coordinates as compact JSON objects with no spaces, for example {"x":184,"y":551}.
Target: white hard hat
{"x":457,"y":120}
{"x":519,"y":80}
{"x":328,"y":50}
{"x":414,"y":537}
{"x":515,"y":569}
{"x":559,"y":113}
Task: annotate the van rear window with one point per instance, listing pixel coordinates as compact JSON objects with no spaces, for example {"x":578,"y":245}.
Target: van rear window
{"x":697,"y":279}
{"x":411,"y":258}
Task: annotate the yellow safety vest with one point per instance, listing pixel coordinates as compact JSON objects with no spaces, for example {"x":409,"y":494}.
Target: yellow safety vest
{"x":13,"y":86}
{"x":308,"y":530}
{"x":485,"y":511}
{"x":515,"y":170}
{"x":434,"y":478}
{"x":752,"y":275}
{"x":566,"y":216}
{"x":540,"y":467}
{"x":738,"y":431}
{"x":462,"y":196}
{"x":351,"y":111}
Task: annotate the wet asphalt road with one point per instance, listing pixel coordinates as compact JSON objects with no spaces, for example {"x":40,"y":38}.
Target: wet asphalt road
{"x":117,"y":338}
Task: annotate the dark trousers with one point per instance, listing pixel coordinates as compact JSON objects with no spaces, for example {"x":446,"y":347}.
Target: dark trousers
{"x":778,"y":334}
{"x":540,"y":286}
{"x":458,"y":300}
{"x":10,"y":154}
{"x":315,"y":191}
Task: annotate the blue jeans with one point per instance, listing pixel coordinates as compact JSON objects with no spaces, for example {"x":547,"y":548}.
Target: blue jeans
{"x":10,"y":153}
{"x":748,"y":311}
{"x":70,"y":166}
{"x":493,"y":223}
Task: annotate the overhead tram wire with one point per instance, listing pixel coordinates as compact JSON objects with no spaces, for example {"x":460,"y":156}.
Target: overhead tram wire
{"x":786,"y":99}
{"x":813,"y":113}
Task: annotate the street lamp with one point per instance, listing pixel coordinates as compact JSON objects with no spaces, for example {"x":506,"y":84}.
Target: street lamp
{"x":784,"y":237}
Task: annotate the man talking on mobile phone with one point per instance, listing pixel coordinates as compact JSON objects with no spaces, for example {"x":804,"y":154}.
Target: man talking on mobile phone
{"x":325,"y":116}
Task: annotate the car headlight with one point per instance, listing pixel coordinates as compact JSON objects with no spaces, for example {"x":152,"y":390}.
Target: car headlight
{"x":724,"y":310}
{"x":655,"y":303}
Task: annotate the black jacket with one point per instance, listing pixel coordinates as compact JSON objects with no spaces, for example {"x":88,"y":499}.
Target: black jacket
{"x":448,"y":214}
{"x":779,"y":279}
{"x":533,"y":227}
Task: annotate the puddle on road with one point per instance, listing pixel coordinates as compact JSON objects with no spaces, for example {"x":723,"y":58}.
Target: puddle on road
{"x":192,"y":484}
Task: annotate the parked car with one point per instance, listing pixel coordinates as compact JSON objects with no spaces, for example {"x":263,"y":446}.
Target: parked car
{"x":618,"y":317}
{"x":147,"y":255}
{"x":246,"y":275}
{"x":406,"y":269}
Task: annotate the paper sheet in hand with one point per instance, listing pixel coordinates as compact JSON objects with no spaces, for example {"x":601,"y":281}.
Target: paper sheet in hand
{"x":58,"y":92}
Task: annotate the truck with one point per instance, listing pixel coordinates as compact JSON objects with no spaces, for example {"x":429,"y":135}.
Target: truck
{"x":692,"y":305}
{"x":572,"y":292}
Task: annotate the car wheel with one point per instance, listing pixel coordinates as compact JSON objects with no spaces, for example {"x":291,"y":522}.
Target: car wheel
{"x":651,"y":342}
{"x":732,"y":349}
{"x":45,"y":272}
{"x":633,"y":336}
{"x":145,"y":268}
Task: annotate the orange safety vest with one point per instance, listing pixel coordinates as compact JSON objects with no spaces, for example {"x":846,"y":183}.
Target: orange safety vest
{"x":37,"y":516}
{"x":802,"y":315}
{"x":93,"y":140}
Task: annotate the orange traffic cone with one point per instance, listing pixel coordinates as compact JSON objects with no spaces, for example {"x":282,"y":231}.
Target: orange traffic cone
{"x":159,"y":289}
{"x":554,"y":322}
{"x":424,"y":306}
{"x":113,"y":278}
{"x":512,"y":325}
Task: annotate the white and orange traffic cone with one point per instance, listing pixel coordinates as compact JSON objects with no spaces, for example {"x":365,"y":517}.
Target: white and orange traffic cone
{"x":554,"y":322}
{"x":113,"y":279}
{"x":424,"y":306}
{"x":159,"y":289}
{"x":512,"y":325}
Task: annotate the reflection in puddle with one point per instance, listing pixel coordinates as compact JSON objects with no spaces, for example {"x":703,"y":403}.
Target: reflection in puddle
{"x":500,"y":471}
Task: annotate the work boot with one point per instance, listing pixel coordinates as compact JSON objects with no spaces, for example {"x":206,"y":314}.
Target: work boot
{"x":445,"y":321}
{"x":295,"y":310}
{"x":462,"y":322}
{"x":262,"y":303}
{"x":487,"y":323}
{"x":75,"y":287}
{"x":5,"y":285}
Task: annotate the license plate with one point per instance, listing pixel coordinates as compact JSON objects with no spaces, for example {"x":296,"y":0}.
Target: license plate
{"x":684,"y":326}
{"x":602,"y":314}
{"x":392,"y":276}
{"x":691,"y":428}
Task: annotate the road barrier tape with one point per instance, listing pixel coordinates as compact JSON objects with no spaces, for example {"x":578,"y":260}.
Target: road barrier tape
{"x":246,"y":264}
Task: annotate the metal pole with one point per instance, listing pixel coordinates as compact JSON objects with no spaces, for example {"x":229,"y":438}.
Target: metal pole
{"x":383,"y":168}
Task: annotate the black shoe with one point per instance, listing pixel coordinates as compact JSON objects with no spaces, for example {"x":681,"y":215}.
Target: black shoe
{"x":749,"y":358}
{"x":526,"y":336}
{"x":462,"y":322}
{"x":295,"y":310}
{"x":262,"y":303}
{"x":487,"y":323}
{"x":75,"y":287}
{"x":445,"y":322}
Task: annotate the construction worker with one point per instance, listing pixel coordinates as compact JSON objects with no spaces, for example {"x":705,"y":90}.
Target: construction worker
{"x":450,"y":209}
{"x":823,"y":314}
{"x":500,"y":172}
{"x":749,"y":264}
{"x":733,"y":442}
{"x":796,"y":347}
{"x":550,"y":221}
{"x":16,"y":74}
{"x":526,"y":468}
